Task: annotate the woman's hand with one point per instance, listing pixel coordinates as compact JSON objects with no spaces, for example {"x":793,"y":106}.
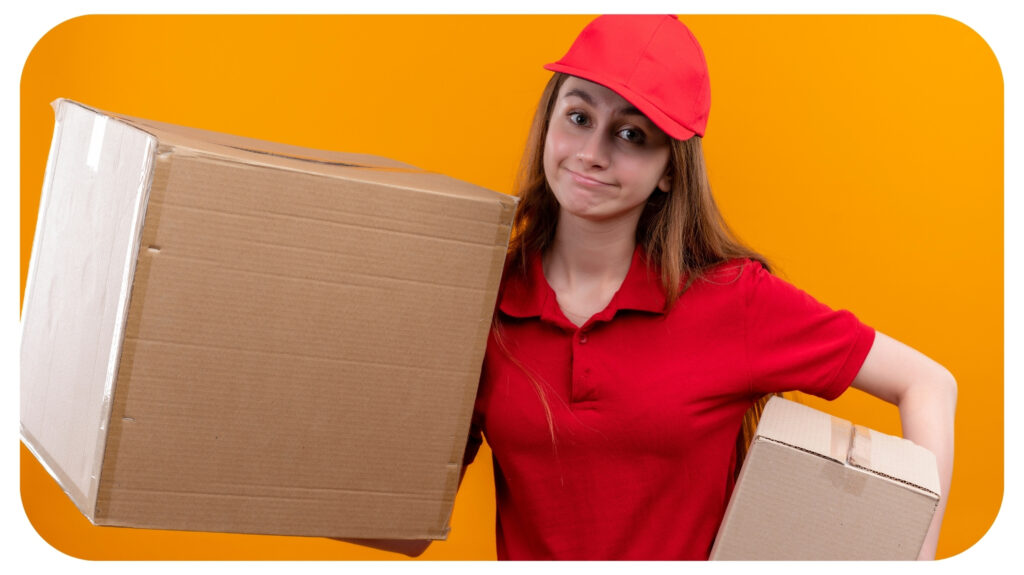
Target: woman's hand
{"x":925,"y":393}
{"x":411,"y":547}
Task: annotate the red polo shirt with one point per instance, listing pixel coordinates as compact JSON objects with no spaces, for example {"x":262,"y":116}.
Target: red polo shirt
{"x":646,"y":406}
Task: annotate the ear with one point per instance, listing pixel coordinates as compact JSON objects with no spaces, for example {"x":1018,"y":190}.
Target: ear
{"x":665,"y":183}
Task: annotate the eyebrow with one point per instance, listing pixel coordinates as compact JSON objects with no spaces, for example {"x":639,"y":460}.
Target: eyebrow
{"x":631,"y":110}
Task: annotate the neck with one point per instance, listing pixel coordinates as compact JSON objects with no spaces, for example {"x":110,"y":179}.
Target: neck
{"x":590,"y":252}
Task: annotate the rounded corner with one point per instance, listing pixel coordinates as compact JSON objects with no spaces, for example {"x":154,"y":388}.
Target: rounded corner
{"x":62,"y":24}
{"x":34,"y":513}
{"x":988,"y":529}
{"x":978,"y":36}
{"x":39,"y":533}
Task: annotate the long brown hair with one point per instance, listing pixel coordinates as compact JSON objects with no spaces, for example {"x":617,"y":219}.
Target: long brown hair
{"x":682,"y":231}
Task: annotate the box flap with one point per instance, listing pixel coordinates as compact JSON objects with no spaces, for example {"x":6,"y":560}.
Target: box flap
{"x":252,"y":152}
{"x":895,"y":458}
{"x":810,"y":430}
{"x":229,"y":145}
{"x":802,"y":427}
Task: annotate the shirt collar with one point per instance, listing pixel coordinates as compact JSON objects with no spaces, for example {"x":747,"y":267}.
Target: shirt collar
{"x":530,"y":295}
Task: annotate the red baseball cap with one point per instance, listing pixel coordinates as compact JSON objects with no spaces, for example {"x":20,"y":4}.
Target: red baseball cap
{"x":652,"y":61}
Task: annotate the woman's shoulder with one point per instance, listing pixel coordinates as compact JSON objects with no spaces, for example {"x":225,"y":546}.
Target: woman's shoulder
{"x":729,"y":282}
{"x":734,"y":271}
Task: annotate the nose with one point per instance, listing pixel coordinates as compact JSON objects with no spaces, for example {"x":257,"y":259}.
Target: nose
{"x":593,"y":151}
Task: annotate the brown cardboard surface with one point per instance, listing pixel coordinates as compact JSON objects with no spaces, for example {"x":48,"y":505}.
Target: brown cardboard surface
{"x":230,"y":145}
{"x":816,"y":487}
{"x":302,"y":343}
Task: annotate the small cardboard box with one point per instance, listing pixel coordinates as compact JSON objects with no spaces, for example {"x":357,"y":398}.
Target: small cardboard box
{"x":224,"y":334}
{"x":817,"y":487}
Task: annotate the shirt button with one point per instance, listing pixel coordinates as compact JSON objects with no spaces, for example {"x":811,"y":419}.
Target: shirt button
{"x":583,"y":338}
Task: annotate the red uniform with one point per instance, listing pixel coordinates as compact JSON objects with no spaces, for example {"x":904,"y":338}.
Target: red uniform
{"x":645,"y":405}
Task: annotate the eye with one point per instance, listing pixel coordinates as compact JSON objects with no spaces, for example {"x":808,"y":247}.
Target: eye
{"x":578,"y":118}
{"x":632,"y":135}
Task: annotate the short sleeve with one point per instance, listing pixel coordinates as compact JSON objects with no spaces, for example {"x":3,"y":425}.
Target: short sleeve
{"x":795,"y":342}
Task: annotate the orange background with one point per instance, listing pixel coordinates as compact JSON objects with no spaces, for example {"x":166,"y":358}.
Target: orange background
{"x":862,"y":154}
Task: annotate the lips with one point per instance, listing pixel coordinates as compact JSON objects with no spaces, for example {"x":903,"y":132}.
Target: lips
{"x":585,"y":180}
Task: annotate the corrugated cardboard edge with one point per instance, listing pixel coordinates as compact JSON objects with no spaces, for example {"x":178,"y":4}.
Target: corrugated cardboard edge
{"x":501,"y":241}
{"x":223,"y":147}
{"x":726,"y":525}
{"x":221,"y":143}
{"x":124,"y":299}
{"x":229,"y":147}
{"x":922,"y":475}
{"x":848,"y":444}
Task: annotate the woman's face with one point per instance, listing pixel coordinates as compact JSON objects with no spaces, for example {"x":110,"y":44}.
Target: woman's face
{"x":602,"y":157}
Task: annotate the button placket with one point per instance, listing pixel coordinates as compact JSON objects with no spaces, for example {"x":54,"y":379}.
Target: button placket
{"x":582,"y":388}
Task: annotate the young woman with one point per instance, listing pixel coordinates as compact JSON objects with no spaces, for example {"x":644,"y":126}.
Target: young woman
{"x":632,"y":331}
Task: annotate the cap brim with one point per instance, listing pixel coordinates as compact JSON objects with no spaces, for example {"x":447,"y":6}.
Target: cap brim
{"x":653,"y":113}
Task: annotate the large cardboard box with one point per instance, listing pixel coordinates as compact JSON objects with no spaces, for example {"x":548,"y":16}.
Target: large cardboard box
{"x":224,"y":334}
{"x":814,"y":486}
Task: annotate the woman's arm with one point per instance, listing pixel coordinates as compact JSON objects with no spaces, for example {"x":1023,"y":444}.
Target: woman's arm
{"x":925,"y":393}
